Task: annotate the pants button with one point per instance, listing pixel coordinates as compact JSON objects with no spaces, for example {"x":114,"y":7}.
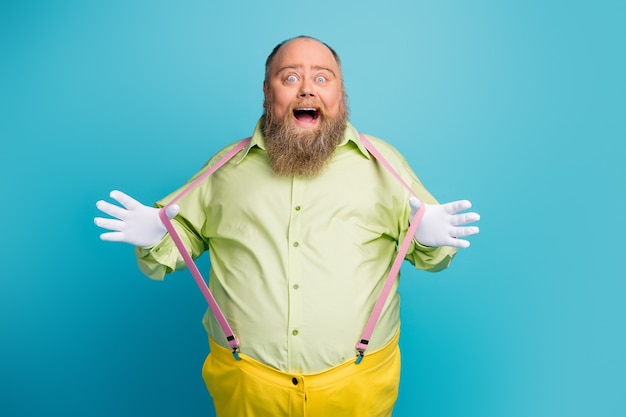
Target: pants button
{"x":294,"y":380}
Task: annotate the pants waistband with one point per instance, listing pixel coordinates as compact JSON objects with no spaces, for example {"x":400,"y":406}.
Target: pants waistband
{"x":247,"y":364}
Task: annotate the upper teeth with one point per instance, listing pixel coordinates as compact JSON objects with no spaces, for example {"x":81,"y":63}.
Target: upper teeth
{"x":306,"y":109}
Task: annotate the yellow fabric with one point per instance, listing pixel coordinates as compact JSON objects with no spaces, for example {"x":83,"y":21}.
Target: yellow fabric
{"x":251,"y":389}
{"x":298,"y":263}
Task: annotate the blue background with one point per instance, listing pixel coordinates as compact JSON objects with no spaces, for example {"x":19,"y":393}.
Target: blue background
{"x":518,"y":106}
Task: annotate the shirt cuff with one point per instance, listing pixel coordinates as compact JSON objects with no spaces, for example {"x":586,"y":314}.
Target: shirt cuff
{"x":423,"y":248}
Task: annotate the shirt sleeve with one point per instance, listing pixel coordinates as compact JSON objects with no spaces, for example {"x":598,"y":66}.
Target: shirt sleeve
{"x":164,"y":257}
{"x":431,"y":259}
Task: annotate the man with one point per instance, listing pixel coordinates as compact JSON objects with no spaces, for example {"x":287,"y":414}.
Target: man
{"x":302,"y":227}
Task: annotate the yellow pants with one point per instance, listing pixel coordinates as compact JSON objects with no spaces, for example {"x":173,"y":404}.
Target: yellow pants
{"x":248,"y":388}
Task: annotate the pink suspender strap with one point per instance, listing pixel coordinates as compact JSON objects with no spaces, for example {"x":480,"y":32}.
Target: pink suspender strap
{"x":361,"y":346}
{"x":233,"y":341}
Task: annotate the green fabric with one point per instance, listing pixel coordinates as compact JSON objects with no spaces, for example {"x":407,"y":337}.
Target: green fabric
{"x":297,"y":263}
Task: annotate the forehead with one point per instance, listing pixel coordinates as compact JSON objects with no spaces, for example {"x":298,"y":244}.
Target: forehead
{"x":306,"y":53}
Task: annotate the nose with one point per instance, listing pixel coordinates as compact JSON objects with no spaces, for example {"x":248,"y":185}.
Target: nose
{"x":306,"y":89}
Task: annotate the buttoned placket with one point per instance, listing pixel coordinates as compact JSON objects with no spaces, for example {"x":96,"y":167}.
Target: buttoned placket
{"x":295,"y":247}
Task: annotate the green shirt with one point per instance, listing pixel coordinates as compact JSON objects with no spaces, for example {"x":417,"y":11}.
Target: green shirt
{"x":298,"y":263}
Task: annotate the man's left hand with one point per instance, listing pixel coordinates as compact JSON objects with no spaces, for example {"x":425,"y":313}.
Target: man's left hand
{"x":443,"y":225}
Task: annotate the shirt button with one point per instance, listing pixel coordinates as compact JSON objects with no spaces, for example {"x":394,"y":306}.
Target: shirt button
{"x":295,"y":333}
{"x":294,"y":380}
{"x":298,"y":208}
{"x":296,"y":244}
{"x":296,"y":286}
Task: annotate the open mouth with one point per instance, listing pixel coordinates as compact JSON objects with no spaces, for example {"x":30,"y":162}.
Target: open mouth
{"x":306,"y":114}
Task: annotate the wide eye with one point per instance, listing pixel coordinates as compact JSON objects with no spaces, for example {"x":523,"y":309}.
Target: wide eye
{"x":292,"y":79}
{"x":320,"y":79}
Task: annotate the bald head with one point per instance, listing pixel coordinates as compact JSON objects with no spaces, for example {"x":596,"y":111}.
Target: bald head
{"x":270,"y":59}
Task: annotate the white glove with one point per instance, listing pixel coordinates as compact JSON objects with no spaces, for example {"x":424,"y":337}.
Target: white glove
{"x":136,"y":224}
{"x":440,"y":224}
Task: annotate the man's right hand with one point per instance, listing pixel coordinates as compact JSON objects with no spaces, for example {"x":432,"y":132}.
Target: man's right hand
{"x":133,"y":223}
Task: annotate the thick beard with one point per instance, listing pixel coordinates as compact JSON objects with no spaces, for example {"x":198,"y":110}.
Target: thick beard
{"x":295,"y":151}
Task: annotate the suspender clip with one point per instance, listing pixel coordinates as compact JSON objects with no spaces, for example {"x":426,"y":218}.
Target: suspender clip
{"x":359,"y":356}
{"x":236,"y":352}
{"x":360,"y":350}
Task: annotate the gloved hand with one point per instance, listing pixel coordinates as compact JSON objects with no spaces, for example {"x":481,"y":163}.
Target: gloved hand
{"x":440,"y":225}
{"x":136,"y":224}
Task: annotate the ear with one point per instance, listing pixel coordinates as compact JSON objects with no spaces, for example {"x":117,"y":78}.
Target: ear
{"x":266,"y":91}
{"x":266,"y":88}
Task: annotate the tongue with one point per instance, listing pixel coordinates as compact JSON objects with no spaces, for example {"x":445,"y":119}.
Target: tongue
{"x":304,"y":117}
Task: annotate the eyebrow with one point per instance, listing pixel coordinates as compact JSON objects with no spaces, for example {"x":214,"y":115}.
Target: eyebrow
{"x":299,"y":67}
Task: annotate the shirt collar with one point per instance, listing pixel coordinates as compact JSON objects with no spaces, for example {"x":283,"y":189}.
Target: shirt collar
{"x":258,"y":140}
